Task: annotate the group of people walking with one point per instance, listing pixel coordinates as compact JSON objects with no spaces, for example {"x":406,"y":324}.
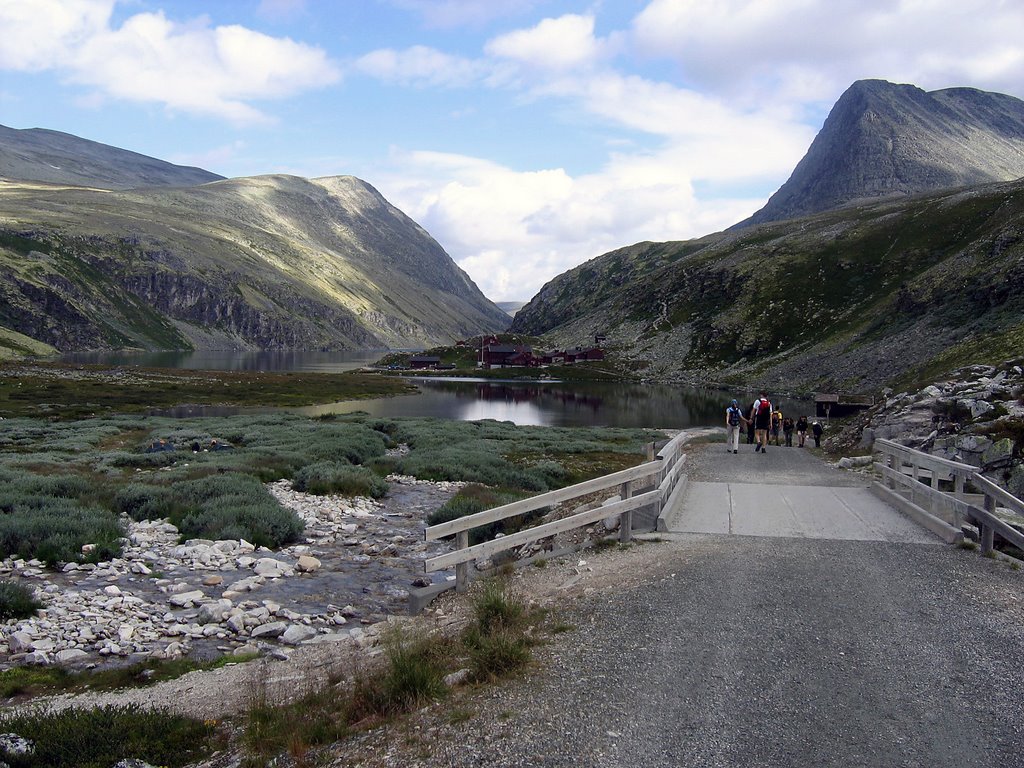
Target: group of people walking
{"x":763,"y":422}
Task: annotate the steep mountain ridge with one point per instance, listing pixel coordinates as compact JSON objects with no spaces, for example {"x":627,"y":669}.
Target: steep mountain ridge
{"x":38,"y":154}
{"x":261,"y":262}
{"x":852,"y":299}
{"x":882,"y":139}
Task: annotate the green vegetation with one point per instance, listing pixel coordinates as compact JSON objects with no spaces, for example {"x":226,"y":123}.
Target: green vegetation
{"x":68,"y":392}
{"x":336,"y":477}
{"x":99,"y":738}
{"x":34,"y":681}
{"x":65,"y":484}
{"x":410,"y":674}
{"x":17,"y":601}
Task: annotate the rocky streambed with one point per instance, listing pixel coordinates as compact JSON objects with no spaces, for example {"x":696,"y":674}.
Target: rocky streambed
{"x":165,"y":599}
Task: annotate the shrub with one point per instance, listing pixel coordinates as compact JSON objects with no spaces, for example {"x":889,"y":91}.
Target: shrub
{"x":55,"y":529}
{"x":233,"y":506}
{"x":413,"y":676}
{"x":496,"y":610}
{"x":141,"y":501}
{"x":328,"y":477}
{"x":497,"y":642}
{"x":101,"y":737}
{"x":17,"y":601}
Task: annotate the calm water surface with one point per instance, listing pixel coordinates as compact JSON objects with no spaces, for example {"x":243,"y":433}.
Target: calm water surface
{"x":536,"y":403}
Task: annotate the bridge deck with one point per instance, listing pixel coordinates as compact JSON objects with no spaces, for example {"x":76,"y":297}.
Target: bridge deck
{"x":787,"y":492}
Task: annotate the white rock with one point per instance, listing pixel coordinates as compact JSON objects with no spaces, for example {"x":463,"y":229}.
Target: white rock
{"x":297,"y":633}
{"x":307,"y":564}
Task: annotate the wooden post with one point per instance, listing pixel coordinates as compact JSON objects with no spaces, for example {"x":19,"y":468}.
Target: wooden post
{"x":626,"y":519}
{"x":462,"y":569}
{"x":987,"y":532}
{"x":894,"y":464}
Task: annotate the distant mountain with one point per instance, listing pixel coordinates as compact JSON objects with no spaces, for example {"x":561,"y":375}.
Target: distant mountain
{"x":852,"y":299}
{"x":511,"y":307}
{"x":36,"y":154}
{"x":885,"y":140}
{"x":264,"y":262}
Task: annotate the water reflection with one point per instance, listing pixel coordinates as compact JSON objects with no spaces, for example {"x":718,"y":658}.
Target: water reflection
{"x":558,"y":404}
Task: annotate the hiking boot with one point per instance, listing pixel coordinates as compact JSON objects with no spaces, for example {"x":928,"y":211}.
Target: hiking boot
{"x":735,"y":451}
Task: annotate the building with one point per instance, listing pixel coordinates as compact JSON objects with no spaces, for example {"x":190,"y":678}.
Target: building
{"x":424,"y":361}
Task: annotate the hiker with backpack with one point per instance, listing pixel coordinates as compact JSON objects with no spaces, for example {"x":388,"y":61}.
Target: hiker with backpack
{"x":816,"y":430}
{"x":762,"y":415}
{"x":733,"y":421}
{"x":787,"y":430}
{"x":801,"y":431}
{"x":776,"y":425}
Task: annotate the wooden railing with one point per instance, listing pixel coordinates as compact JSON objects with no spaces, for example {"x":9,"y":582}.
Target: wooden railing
{"x":661,"y":474}
{"x":920,"y":476}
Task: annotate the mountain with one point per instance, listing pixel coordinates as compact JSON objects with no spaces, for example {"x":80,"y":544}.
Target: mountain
{"x":886,"y":140}
{"x":36,"y":154}
{"x":263,"y":262}
{"x":852,"y":299}
{"x":511,"y":307}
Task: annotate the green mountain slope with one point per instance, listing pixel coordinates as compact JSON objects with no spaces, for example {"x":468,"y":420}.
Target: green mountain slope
{"x":852,"y":299}
{"x":263,"y":262}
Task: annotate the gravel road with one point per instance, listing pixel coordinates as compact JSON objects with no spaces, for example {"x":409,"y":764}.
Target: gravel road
{"x":743,"y":651}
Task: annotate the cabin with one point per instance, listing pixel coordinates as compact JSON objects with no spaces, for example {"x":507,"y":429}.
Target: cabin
{"x":828,"y":405}
{"x":499,"y":355}
{"x":421,"y":362}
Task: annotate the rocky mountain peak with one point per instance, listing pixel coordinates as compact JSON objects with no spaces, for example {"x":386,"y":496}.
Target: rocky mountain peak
{"x":883,"y":139}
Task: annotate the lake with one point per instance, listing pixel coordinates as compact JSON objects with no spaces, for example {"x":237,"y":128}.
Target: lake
{"x":522,"y":402}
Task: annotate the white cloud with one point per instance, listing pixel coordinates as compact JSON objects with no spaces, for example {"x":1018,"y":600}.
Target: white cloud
{"x":557,"y":44}
{"x":814,"y":49}
{"x":43,"y":34}
{"x":419,"y":65}
{"x":513,"y":231}
{"x":189,"y":67}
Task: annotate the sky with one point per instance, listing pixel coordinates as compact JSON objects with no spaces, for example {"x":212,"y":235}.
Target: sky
{"x":526,"y":136}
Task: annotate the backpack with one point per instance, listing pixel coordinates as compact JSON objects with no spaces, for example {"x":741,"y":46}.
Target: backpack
{"x":734,"y":416}
{"x":763,"y":404}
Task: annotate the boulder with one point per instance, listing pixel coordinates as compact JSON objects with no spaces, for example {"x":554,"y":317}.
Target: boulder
{"x":307,"y":564}
{"x":272,"y":629}
{"x":213,"y":612}
{"x":297,"y":633}
{"x":187,"y":599}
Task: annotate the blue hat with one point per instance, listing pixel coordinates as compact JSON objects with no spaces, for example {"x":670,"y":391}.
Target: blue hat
{"x":734,"y":402}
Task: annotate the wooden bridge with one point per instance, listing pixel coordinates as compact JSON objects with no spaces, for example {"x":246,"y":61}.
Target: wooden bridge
{"x":785,"y":492}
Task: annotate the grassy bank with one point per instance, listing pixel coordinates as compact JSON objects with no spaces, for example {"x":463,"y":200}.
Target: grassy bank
{"x":76,"y":391}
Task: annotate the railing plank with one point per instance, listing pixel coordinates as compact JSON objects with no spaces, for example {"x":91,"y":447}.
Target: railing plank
{"x":489,"y":548}
{"x":1001,"y":495}
{"x":545,"y":499}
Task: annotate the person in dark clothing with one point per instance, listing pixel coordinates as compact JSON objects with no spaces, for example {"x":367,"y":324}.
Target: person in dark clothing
{"x":750,"y":426}
{"x":787,"y":430}
{"x":816,"y":430}
{"x":801,"y":431}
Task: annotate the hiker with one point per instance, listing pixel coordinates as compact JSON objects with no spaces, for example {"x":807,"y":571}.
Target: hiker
{"x":787,"y":430}
{"x":816,"y":430}
{"x":750,"y":425}
{"x":733,"y":423}
{"x":776,"y":425}
{"x":762,"y":422}
{"x":801,"y":431}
